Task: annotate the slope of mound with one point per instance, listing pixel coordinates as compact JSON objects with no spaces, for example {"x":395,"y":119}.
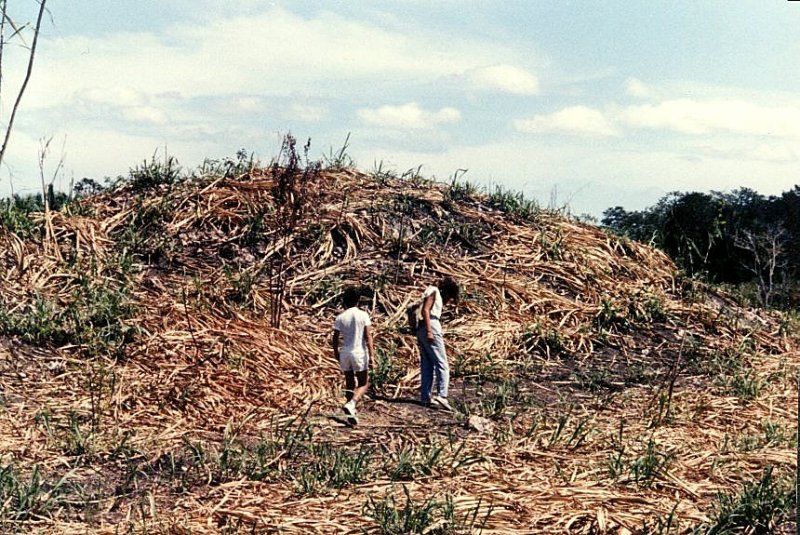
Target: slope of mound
{"x":166,"y":366}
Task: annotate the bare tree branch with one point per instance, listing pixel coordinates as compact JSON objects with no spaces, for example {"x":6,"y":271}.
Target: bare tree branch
{"x":768,"y":258}
{"x":25,"y":81}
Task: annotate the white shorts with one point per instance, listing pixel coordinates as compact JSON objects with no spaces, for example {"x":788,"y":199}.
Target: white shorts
{"x":353,"y":363}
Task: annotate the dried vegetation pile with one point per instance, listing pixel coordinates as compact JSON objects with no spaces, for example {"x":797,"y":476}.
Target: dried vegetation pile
{"x":165,"y":366}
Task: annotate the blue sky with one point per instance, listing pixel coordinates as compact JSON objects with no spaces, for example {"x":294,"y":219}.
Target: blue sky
{"x":588,"y":104}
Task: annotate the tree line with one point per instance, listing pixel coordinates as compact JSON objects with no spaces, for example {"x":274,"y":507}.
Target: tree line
{"x":741,"y":238}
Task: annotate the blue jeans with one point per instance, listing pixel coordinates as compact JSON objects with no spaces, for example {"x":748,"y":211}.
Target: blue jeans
{"x":432,"y":361}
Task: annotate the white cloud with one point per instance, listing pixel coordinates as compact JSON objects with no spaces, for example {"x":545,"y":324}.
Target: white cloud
{"x":573,"y":120}
{"x":111,"y":96}
{"x":308,"y":113}
{"x":270,"y":52}
{"x":704,"y":117}
{"x":505,"y":78}
{"x":773,"y":153}
{"x":636,"y":88}
{"x":117,"y":103}
{"x":145,"y":114}
{"x":247,"y":104}
{"x":692,"y":117}
{"x":408,"y":117}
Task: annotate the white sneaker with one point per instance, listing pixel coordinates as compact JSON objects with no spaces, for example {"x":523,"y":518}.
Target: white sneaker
{"x":349,"y":409}
{"x":440,"y":402}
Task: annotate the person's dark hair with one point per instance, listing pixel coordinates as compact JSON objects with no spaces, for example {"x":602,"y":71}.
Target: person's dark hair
{"x":449,"y":289}
{"x":351,"y":296}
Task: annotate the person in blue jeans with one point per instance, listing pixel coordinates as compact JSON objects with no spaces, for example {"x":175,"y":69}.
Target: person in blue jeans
{"x":430,"y":338}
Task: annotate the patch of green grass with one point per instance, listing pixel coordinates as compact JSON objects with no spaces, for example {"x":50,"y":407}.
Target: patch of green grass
{"x":650,"y":465}
{"x":409,"y":463}
{"x":647,"y":308}
{"x":384,"y":371}
{"x":229,"y":167}
{"x":772,"y":434}
{"x":382,"y":175}
{"x":745,"y":384}
{"x":545,"y":340}
{"x":155,"y":173}
{"x":286,"y":452}
{"x":15,"y":215}
{"x":461,"y":190}
{"x":333,"y":466}
{"x":339,"y":160}
{"x":23,"y":499}
{"x":595,"y":379}
{"x":146,"y":237}
{"x":610,"y":316}
{"x":758,"y":508}
{"x":95,"y":318}
{"x":430,"y":516}
{"x":429,"y":458}
{"x":617,"y":464}
{"x":661,"y":525}
{"x":514,"y":204}
{"x":569,"y":434}
{"x":495,"y":400}
{"x":553,"y":246}
{"x":478,"y":370}
{"x":242,"y":286}
{"x":790,"y":323}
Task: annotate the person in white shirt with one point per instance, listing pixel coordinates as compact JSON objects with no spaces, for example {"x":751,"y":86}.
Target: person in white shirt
{"x":430,"y":338}
{"x":352,"y":327}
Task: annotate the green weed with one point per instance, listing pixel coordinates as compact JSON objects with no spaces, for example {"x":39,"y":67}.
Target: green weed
{"x":339,"y":160}
{"x":514,"y":204}
{"x":335,"y":467}
{"x":547,"y":341}
{"x":650,"y":465}
{"x":384,"y":371}
{"x":610,"y":316}
{"x":15,"y":215}
{"x":745,"y":384}
{"x":241,"y":164}
{"x":647,"y":308}
{"x":95,"y":319}
{"x":146,"y":236}
{"x":382,"y":175}
{"x":572,"y":439}
{"x":662,"y":525}
{"x":461,"y":190}
{"x":409,"y":463}
{"x":155,"y":173}
{"x":759,"y":508}
{"x":22,"y":500}
{"x":431,"y":516}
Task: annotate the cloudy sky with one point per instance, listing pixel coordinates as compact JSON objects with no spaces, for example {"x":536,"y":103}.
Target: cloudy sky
{"x":589,"y":104}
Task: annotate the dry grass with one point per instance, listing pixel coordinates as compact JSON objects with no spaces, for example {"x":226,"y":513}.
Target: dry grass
{"x":620,"y":393}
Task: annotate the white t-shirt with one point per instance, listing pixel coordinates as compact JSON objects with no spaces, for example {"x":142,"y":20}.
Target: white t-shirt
{"x":350,"y":325}
{"x":436,"y":309}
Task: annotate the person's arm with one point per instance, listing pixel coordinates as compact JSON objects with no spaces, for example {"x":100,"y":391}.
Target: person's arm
{"x":335,"y":343}
{"x":370,"y":345}
{"x":426,"y":316}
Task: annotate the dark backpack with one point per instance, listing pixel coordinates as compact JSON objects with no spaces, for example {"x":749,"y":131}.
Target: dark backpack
{"x":413,"y":315}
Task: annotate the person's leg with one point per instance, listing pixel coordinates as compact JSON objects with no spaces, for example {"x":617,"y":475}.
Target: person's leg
{"x":363,"y":384}
{"x":440,"y":364}
{"x":350,"y":388}
{"x":425,"y":369}
{"x":349,"y":384}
